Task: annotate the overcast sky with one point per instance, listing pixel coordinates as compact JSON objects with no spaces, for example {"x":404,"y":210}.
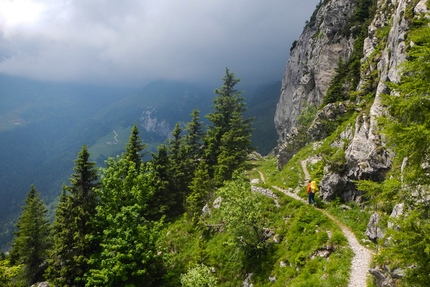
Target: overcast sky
{"x":133,"y":42}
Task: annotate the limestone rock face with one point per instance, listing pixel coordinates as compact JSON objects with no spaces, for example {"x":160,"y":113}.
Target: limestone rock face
{"x":366,"y":156}
{"x":309,"y":70}
{"x":322,"y":125}
{"x":312,"y":63}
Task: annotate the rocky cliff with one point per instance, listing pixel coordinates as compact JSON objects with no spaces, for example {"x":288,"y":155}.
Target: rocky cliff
{"x":314,"y":61}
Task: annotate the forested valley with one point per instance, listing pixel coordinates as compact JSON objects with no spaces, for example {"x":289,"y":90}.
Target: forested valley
{"x":108,"y":221}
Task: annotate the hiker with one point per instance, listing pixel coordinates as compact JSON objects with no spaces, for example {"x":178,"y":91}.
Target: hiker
{"x":311,"y":190}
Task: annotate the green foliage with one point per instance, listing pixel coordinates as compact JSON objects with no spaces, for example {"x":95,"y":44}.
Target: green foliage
{"x":307,"y":116}
{"x":382,"y":195}
{"x":339,"y":86}
{"x":162,"y":198}
{"x":347,"y":73}
{"x":336,"y":161}
{"x":134,"y":148}
{"x":193,"y":142}
{"x":199,"y":276}
{"x":32,"y":240}
{"x":127,"y":253}
{"x":304,"y":121}
{"x":407,"y":129}
{"x":296,"y":251}
{"x":73,"y":227}
{"x":242,"y":213}
{"x":410,"y":246}
{"x":179,"y":174}
{"x":8,"y":272}
{"x":202,"y":188}
{"x":228,"y":139}
{"x":219,"y":243}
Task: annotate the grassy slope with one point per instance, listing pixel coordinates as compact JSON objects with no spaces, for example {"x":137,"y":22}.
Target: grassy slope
{"x":301,"y":230}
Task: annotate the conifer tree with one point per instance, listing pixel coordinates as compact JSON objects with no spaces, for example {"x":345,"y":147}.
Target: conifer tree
{"x":135,"y":147}
{"x":63,"y":242}
{"x":178,"y":159}
{"x":202,"y":187}
{"x":32,"y":240}
{"x":74,"y":229}
{"x":193,"y":139}
{"x":163,"y":198}
{"x":235,"y":147}
{"x":193,"y":146}
{"x":227,"y":118}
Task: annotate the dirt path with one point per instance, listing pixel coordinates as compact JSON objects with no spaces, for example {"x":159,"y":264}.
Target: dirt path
{"x":360,"y":262}
{"x":362,"y":256}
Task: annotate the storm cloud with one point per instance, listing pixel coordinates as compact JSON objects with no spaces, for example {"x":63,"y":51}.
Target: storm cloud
{"x":134,"y":42}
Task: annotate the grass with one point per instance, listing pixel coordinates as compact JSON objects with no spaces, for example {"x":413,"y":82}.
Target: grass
{"x":300,"y":232}
{"x":354,"y":217}
{"x":109,"y":145}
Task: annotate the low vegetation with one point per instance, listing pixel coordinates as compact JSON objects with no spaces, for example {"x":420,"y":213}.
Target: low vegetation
{"x":134,"y":221}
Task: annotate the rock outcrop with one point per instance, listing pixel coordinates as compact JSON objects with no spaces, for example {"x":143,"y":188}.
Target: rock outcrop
{"x":312,"y":65}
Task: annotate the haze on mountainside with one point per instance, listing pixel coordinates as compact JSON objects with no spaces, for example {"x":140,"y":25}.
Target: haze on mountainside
{"x":136,"y":42}
{"x":62,"y":62}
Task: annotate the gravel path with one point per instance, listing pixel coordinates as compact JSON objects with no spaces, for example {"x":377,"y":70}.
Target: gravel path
{"x":360,"y":262}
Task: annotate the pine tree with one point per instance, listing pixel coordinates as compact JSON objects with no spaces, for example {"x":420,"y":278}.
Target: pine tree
{"x":74,"y":229}
{"x":227,"y":119}
{"x":32,"y":240}
{"x":134,"y":148}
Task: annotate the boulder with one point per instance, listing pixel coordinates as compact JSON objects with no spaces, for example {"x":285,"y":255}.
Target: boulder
{"x":383,"y":279}
{"x":373,"y":231}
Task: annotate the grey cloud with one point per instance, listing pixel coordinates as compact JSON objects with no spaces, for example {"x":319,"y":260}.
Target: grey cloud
{"x":131,"y":42}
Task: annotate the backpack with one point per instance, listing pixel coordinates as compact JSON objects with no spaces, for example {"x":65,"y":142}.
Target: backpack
{"x":314,"y":186}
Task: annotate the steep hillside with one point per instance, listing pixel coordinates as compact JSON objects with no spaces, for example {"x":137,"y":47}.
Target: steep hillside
{"x":340,"y":103}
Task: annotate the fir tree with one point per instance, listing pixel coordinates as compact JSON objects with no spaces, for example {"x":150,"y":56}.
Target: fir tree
{"x":227,"y":119}
{"x":178,"y":160}
{"x":193,"y":140}
{"x":193,"y":146}
{"x":32,"y":240}
{"x":202,"y":187}
{"x":163,"y":198}
{"x":74,"y":229}
{"x":134,"y":148}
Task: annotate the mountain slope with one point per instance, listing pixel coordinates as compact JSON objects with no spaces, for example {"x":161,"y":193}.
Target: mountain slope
{"x":351,"y":96}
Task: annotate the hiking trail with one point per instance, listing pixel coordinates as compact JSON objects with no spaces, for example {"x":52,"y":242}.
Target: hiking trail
{"x":362,"y":256}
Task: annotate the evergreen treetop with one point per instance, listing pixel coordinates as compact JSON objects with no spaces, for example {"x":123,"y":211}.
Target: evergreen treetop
{"x":32,"y":239}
